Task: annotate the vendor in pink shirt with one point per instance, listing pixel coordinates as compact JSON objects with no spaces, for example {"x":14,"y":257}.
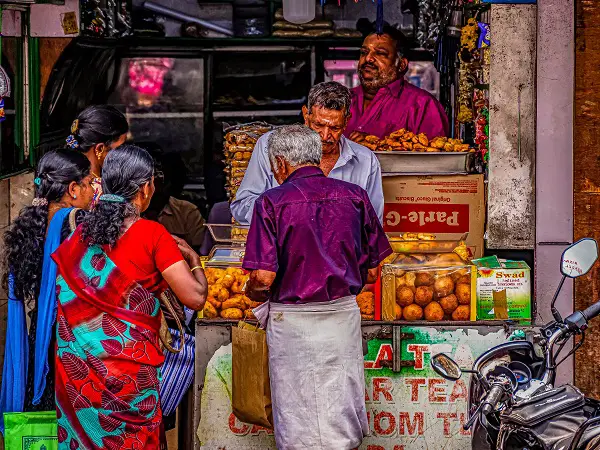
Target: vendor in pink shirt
{"x":385,"y":101}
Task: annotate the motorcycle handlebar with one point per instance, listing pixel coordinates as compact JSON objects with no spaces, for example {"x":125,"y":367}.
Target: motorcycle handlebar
{"x":492,"y":399}
{"x":592,"y":311}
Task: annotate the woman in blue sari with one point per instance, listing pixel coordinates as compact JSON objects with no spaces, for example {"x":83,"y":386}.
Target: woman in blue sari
{"x":62,"y":194}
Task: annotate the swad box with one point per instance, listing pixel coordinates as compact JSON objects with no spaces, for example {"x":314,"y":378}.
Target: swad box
{"x":447,"y":206}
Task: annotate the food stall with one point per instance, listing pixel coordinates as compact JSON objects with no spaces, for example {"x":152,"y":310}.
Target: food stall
{"x":425,"y":301}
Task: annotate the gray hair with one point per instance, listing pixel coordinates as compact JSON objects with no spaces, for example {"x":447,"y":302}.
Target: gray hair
{"x":330,"y":95}
{"x":297,"y":144}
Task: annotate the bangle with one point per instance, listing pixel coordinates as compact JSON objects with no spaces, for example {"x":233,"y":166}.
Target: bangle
{"x":194,"y":268}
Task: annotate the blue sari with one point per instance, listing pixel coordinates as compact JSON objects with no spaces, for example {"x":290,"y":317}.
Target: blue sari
{"x":14,"y":375}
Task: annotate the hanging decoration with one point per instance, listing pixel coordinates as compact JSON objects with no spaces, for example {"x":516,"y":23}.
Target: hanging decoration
{"x":467,"y":71}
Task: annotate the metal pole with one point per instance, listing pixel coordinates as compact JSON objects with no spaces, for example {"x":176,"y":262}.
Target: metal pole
{"x":182,"y":17}
{"x":26,"y":81}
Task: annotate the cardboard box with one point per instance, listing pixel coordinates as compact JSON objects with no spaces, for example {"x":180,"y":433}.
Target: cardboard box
{"x":504,"y":293}
{"x":447,"y":206}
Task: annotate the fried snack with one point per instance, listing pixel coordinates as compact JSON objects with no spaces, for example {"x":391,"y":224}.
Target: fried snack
{"x":397,"y":311}
{"x":412,"y":312}
{"x":371,"y":146}
{"x":423,"y":140}
{"x":432,"y":149}
{"x":209,"y":311}
{"x":234,"y":302}
{"x":366,"y":302}
{"x":232,"y":314}
{"x":397,"y":135}
{"x":371,"y":139}
{"x":434,"y":312}
{"x":438,"y":142}
{"x":449,"y":303}
{"x":423,"y":295}
{"x":213,"y":301}
{"x":419,"y":147}
{"x":404,"y":296}
{"x":462,"y":313}
{"x":367,"y":316}
{"x":248,"y":314}
{"x":463,"y":293}
{"x":448,"y":147}
{"x":465,"y":279}
{"x":458,"y":274}
{"x":424,"y":279}
{"x":443,"y":286}
{"x":226,"y":280}
{"x":212,"y":274}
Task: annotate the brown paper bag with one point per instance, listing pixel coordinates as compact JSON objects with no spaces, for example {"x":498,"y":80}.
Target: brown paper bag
{"x":251,"y":390}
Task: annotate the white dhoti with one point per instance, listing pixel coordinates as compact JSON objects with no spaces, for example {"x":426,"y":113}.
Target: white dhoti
{"x":317,"y":375}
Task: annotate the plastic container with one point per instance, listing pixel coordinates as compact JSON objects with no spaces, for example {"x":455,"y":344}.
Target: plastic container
{"x":416,"y":292}
{"x":299,"y":11}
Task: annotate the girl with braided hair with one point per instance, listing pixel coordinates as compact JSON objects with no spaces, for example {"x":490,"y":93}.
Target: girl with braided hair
{"x":62,"y":194}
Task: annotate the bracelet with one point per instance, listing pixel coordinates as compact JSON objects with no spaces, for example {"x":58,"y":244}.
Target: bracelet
{"x":194,"y":268}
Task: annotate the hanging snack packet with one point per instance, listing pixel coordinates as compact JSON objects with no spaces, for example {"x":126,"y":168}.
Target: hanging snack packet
{"x":484,"y":35}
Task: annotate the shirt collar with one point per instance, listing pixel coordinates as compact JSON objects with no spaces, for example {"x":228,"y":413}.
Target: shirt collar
{"x":396,"y":87}
{"x":305,"y":172}
{"x":346,"y":152}
{"x":167,"y":209}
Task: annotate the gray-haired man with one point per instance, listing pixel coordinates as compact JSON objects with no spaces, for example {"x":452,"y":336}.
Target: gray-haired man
{"x":327,"y":113}
{"x":312,"y":244}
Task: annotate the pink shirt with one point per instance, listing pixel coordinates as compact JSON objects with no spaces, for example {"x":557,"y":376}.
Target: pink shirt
{"x":395,"y":106}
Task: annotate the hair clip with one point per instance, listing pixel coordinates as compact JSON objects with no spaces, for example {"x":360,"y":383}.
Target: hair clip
{"x":112,"y":198}
{"x":39,"y":201}
{"x":37,"y":181}
{"x":75,"y":126}
{"x":72,"y":142}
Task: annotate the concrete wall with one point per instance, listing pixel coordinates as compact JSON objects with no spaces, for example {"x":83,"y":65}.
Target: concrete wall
{"x":554,"y":160}
{"x":45,"y":20}
{"x":511,"y":210}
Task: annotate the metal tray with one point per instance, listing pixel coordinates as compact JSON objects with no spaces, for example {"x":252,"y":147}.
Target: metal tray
{"x":426,"y":163}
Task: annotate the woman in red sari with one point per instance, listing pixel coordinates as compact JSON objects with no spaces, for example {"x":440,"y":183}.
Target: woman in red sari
{"x":112,"y":272}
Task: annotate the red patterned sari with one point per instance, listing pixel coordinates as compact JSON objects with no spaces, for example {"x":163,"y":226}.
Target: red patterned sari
{"x":108,"y":354}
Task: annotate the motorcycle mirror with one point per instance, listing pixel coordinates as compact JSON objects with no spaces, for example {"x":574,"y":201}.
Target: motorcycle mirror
{"x":446,"y":367}
{"x":579,"y":258}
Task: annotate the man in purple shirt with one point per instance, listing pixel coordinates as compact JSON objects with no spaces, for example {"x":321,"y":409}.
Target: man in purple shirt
{"x":314,"y":241}
{"x":385,"y":102}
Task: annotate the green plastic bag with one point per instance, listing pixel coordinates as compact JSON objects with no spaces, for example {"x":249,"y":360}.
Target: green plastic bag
{"x":30,"y":431}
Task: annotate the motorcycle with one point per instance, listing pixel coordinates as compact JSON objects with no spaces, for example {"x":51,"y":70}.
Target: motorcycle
{"x":513,"y":403}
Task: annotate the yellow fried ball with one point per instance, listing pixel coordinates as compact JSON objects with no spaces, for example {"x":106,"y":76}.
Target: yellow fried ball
{"x":404,"y":296}
{"x":449,"y":303}
{"x":424,"y":295}
{"x":434,"y":312}
{"x":463,"y":293}
{"x":412,"y":312}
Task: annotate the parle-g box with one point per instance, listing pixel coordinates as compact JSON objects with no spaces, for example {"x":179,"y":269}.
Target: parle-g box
{"x":447,"y":206}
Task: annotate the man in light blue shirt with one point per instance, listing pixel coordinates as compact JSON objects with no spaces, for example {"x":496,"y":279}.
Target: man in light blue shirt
{"x":327,"y":113}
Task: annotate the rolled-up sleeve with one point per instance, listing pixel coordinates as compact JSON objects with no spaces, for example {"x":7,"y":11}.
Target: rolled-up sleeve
{"x":258,"y":179}
{"x":261,"y":245}
{"x":374,"y":188}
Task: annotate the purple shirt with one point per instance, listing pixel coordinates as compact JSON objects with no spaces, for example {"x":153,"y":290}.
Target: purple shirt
{"x":320,"y":235}
{"x":395,"y":106}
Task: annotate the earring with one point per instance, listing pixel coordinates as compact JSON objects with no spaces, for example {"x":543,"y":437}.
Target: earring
{"x":74,"y":196}
{"x":99,"y":153}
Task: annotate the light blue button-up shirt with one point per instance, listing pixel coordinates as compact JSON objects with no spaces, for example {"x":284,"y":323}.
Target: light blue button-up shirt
{"x":356,"y":164}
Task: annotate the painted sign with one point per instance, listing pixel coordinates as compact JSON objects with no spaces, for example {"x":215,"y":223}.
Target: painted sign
{"x":414,"y":409}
